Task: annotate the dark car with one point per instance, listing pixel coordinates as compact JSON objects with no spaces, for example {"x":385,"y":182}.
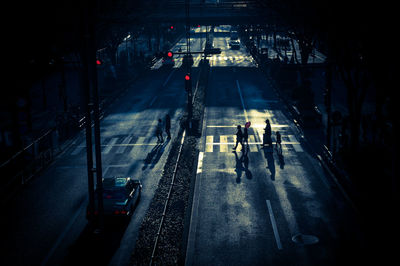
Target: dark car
{"x":235,"y":45}
{"x":187,"y":60}
{"x":120,"y":197}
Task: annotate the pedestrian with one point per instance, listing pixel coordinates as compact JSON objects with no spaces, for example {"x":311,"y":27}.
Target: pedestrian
{"x":278,"y":142}
{"x":239,"y":137}
{"x":267,"y":134}
{"x":245,"y":136}
{"x":168,"y":126}
{"x":159,"y":131}
{"x":267,"y":128}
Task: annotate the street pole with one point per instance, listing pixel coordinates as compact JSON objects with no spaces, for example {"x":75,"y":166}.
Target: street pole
{"x":96,"y":112}
{"x":88,"y":126}
{"x":91,"y":85}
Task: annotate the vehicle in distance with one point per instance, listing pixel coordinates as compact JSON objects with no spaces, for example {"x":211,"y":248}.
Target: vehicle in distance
{"x":120,"y":197}
{"x":187,"y":60}
{"x":234,"y":35}
{"x":235,"y":45}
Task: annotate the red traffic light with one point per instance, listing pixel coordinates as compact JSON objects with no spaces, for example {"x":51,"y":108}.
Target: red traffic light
{"x":98,"y":62}
{"x":187,"y":77}
{"x":172,"y":27}
{"x":170,"y":54}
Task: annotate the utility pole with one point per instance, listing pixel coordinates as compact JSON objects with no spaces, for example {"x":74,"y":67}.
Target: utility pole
{"x":93,"y":104}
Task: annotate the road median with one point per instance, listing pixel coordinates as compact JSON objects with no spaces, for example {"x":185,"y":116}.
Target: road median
{"x":171,"y":237}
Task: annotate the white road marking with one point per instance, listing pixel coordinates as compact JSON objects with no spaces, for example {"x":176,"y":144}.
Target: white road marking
{"x":224,"y":141}
{"x":297,"y":147}
{"x":122,"y":148}
{"x":109,"y":146}
{"x":274,"y":227}
{"x":252,"y":140}
{"x":209,"y":143}
{"x":200,"y":162}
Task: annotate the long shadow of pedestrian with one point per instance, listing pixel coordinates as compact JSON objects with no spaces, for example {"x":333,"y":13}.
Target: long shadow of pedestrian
{"x":158,"y":154}
{"x":154,"y":155}
{"x":238,"y":169}
{"x":281,"y":160}
{"x":245,"y":161}
{"x":269,"y":155}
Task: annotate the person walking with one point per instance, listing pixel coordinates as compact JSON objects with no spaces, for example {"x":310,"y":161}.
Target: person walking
{"x":278,"y":142}
{"x":159,"y":131}
{"x":245,"y":137}
{"x":267,"y":134}
{"x":168,"y":126}
{"x":239,"y":137}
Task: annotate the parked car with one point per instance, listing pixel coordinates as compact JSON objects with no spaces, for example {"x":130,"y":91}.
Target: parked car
{"x":120,"y":197}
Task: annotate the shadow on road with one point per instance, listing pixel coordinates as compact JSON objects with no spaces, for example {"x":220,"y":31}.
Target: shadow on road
{"x":238,"y":168}
{"x":154,"y":155}
{"x":242,"y":165}
{"x":269,"y":155}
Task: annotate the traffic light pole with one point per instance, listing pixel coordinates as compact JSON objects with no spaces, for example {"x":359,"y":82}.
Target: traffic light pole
{"x":89,"y":55}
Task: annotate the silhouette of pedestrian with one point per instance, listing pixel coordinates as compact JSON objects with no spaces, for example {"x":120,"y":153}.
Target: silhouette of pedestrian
{"x":168,"y":126}
{"x":245,"y":136}
{"x":159,"y":131}
{"x":278,"y":142}
{"x":267,"y":134}
{"x":239,"y":137}
{"x":267,"y":128}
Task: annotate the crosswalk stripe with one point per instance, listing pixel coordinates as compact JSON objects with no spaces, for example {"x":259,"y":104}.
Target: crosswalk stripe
{"x":253,"y":148}
{"x":223,"y":147}
{"x":122,"y":148}
{"x":209,"y":143}
{"x":297,"y":147}
{"x":140,"y":140}
{"x":109,"y":146}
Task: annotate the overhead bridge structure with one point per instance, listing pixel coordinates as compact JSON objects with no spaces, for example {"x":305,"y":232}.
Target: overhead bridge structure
{"x":210,"y":13}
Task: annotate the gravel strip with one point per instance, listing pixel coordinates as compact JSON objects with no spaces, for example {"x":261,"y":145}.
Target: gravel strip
{"x":171,"y":247}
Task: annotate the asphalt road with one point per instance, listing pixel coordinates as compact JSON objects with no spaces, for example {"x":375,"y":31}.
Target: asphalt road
{"x":255,"y":207}
{"x":45,"y":223}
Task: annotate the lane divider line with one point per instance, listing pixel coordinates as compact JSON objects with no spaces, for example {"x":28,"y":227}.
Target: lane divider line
{"x":274,"y":227}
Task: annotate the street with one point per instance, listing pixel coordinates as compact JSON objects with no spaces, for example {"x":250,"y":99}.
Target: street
{"x":46,"y":223}
{"x":250,"y":207}
{"x":255,"y":207}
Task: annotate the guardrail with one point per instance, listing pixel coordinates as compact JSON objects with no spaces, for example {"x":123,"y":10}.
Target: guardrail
{"x":20,"y":168}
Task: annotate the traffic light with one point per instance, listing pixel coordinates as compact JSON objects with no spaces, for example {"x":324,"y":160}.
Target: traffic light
{"x":188,"y":83}
{"x":170,"y":54}
{"x":99,"y":62}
